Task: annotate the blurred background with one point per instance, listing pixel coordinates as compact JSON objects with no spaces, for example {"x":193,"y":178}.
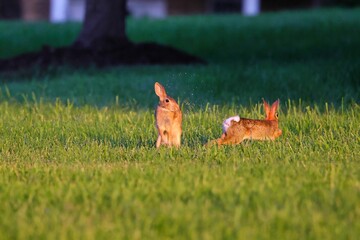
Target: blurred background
{"x":73,"y":10}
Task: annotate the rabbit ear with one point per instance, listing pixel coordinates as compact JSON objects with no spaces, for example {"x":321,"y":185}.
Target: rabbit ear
{"x":160,"y":91}
{"x":267,"y":109}
{"x":273,"y":109}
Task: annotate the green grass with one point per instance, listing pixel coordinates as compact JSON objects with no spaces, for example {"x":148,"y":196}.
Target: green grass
{"x":77,"y":155}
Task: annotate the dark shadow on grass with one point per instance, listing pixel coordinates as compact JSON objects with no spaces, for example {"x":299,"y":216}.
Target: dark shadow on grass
{"x":112,"y":54}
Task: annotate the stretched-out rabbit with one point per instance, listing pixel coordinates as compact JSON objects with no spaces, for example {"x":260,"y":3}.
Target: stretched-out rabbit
{"x":236,"y":129}
{"x":168,"y":119}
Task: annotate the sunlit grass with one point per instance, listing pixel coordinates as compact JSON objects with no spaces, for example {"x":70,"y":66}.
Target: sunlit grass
{"x":68,"y":168}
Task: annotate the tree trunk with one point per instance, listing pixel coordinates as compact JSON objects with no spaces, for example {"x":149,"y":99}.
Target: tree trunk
{"x":101,"y":42}
{"x":35,"y":10}
{"x":10,"y":9}
{"x":104,"y":24}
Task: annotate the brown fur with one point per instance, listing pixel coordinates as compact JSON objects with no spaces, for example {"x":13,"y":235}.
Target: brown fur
{"x":168,"y":119}
{"x":254,"y":129}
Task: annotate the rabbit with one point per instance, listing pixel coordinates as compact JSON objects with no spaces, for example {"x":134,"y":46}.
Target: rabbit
{"x":235,"y":130}
{"x":168,"y":119}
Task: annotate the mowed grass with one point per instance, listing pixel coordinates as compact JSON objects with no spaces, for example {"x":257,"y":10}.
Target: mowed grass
{"x":77,"y":146}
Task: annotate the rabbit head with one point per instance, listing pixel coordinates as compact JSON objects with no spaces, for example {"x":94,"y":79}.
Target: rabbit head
{"x":271,"y":112}
{"x":166,"y":102}
{"x":272,"y":115}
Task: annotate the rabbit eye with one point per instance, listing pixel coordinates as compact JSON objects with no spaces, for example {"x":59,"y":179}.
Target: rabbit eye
{"x":276,"y":115}
{"x":167,"y":100}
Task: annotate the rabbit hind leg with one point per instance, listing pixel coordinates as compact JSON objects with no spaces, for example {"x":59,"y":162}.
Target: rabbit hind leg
{"x":163,"y":138}
{"x":175,"y":140}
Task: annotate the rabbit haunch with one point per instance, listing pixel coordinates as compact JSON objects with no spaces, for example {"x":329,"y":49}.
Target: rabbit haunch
{"x":227,"y":122}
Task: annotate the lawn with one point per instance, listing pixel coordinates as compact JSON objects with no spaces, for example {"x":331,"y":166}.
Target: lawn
{"x":77,"y":146}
